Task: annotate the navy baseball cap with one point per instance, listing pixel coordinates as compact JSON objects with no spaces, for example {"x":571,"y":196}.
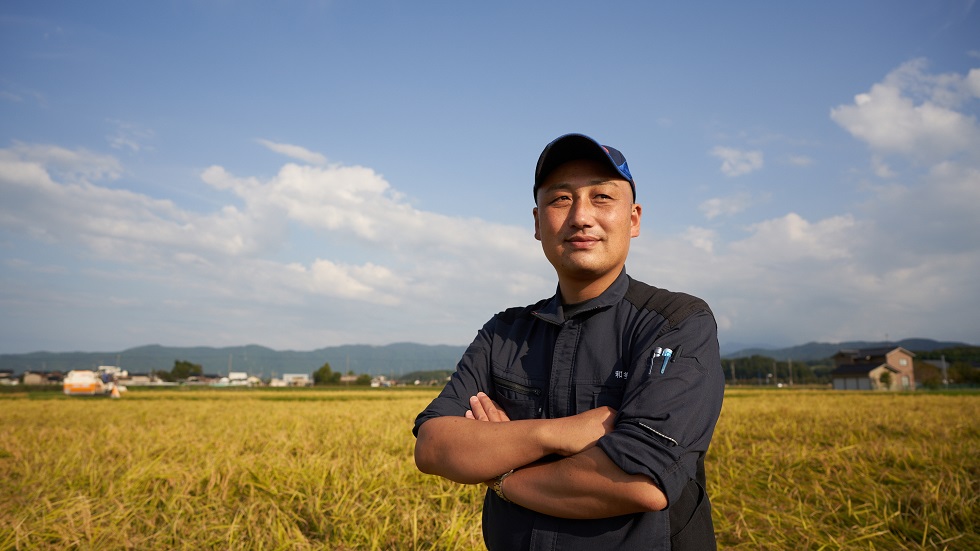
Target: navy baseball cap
{"x":571,"y":147}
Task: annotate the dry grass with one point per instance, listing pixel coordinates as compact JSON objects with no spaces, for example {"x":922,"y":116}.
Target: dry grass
{"x":225,"y":470}
{"x":333,"y":470}
{"x":831,"y":470}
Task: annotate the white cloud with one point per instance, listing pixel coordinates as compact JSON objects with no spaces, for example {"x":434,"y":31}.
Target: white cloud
{"x":791,"y":237}
{"x":355,"y":282}
{"x":834,"y":279}
{"x":913,"y":114}
{"x":929,"y":216}
{"x":973,"y":82}
{"x":728,"y":206}
{"x":70,"y":165}
{"x":735,"y":162}
{"x":881,"y":168}
{"x":931,"y":120}
{"x":412,"y":259}
{"x":356,"y":202}
{"x":128,"y":136}
{"x":800,"y":160}
{"x":295,"y":152}
{"x":17,"y":94}
{"x":701,"y":238}
{"x":903,"y":263}
{"x":328,"y":254}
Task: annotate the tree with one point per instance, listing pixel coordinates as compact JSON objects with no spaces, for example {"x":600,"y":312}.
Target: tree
{"x":363,"y":380}
{"x":325,"y":375}
{"x":885,"y":380}
{"x":182,"y":370}
{"x":927,"y":375}
{"x":963,"y":373}
{"x":164,"y":375}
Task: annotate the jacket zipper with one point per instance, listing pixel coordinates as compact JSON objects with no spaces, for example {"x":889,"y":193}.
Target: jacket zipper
{"x":516,"y":387}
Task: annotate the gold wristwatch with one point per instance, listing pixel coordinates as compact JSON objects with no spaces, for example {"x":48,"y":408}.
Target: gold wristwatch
{"x":498,"y":485}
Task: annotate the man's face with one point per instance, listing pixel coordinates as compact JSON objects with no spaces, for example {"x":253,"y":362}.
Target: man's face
{"x":585,"y":219}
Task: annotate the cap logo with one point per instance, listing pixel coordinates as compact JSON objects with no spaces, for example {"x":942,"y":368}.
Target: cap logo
{"x":625,"y":170}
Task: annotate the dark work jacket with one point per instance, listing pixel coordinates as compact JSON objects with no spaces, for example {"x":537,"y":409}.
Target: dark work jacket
{"x":549,"y":361}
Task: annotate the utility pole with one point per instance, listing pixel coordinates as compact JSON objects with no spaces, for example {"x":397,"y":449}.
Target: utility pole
{"x":732,"y":364}
{"x":945,"y":375}
{"x":790,"y":362}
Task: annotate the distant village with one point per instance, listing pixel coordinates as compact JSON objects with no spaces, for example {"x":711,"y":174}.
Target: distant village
{"x":890,"y":368}
{"x":105,"y":378}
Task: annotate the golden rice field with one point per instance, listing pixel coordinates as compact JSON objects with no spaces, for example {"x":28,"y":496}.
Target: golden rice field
{"x":333,"y":469}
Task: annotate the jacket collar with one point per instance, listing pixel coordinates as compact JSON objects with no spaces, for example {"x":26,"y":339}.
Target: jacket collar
{"x":553,"y":311}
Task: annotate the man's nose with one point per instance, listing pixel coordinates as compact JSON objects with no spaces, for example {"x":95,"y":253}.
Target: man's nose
{"x":582,"y":213}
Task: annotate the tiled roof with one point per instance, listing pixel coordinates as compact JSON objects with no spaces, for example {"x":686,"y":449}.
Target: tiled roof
{"x":861,"y":369}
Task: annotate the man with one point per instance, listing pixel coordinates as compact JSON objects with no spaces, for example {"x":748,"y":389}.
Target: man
{"x":587,"y":414}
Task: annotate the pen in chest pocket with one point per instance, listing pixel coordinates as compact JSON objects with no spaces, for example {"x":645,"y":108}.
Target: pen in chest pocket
{"x":664,"y":355}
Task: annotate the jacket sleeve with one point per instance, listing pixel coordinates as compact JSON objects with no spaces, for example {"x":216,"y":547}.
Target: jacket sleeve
{"x":471,"y":376}
{"x":669,"y":411}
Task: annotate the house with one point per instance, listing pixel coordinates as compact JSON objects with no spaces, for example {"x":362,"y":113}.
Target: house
{"x":139,"y":379}
{"x":297,"y":379}
{"x":237,"y":378}
{"x":7,"y":377}
{"x":43,"y":377}
{"x":203,"y":379}
{"x":873,"y":369}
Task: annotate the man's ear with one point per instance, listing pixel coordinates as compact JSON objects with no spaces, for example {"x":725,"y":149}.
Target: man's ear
{"x":635,"y":220}
{"x":537,"y":231}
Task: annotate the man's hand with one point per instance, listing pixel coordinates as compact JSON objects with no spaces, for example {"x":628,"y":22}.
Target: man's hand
{"x":580,"y":432}
{"x":470,"y":453}
{"x":584,"y":485}
{"x":482,"y":408}
{"x":572,"y":435}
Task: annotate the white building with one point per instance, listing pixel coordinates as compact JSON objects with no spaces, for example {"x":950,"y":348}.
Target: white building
{"x":297,"y":379}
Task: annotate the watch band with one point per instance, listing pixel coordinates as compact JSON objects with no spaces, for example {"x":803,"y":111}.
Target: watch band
{"x":498,"y":486}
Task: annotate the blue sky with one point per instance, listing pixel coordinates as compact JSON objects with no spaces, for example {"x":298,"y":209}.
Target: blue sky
{"x":300,"y":174}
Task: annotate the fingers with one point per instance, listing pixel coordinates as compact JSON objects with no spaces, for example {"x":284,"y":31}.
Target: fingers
{"x":501,"y":414}
{"x":477,"y":411}
{"x":482,"y":408}
{"x":494,"y":413}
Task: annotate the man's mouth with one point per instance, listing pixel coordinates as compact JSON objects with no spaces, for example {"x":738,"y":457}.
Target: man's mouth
{"x":582,"y":241}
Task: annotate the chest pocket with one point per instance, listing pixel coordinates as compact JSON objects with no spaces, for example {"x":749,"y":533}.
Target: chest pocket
{"x":520,"y":400}
{"x":591,"y":396}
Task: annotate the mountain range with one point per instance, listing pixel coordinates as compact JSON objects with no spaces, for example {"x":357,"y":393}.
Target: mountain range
{"x":392,"y":360}
{"x":813,"y":351}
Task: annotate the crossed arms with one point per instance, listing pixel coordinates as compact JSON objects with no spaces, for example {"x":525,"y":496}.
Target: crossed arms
{"x":585,"y":483}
